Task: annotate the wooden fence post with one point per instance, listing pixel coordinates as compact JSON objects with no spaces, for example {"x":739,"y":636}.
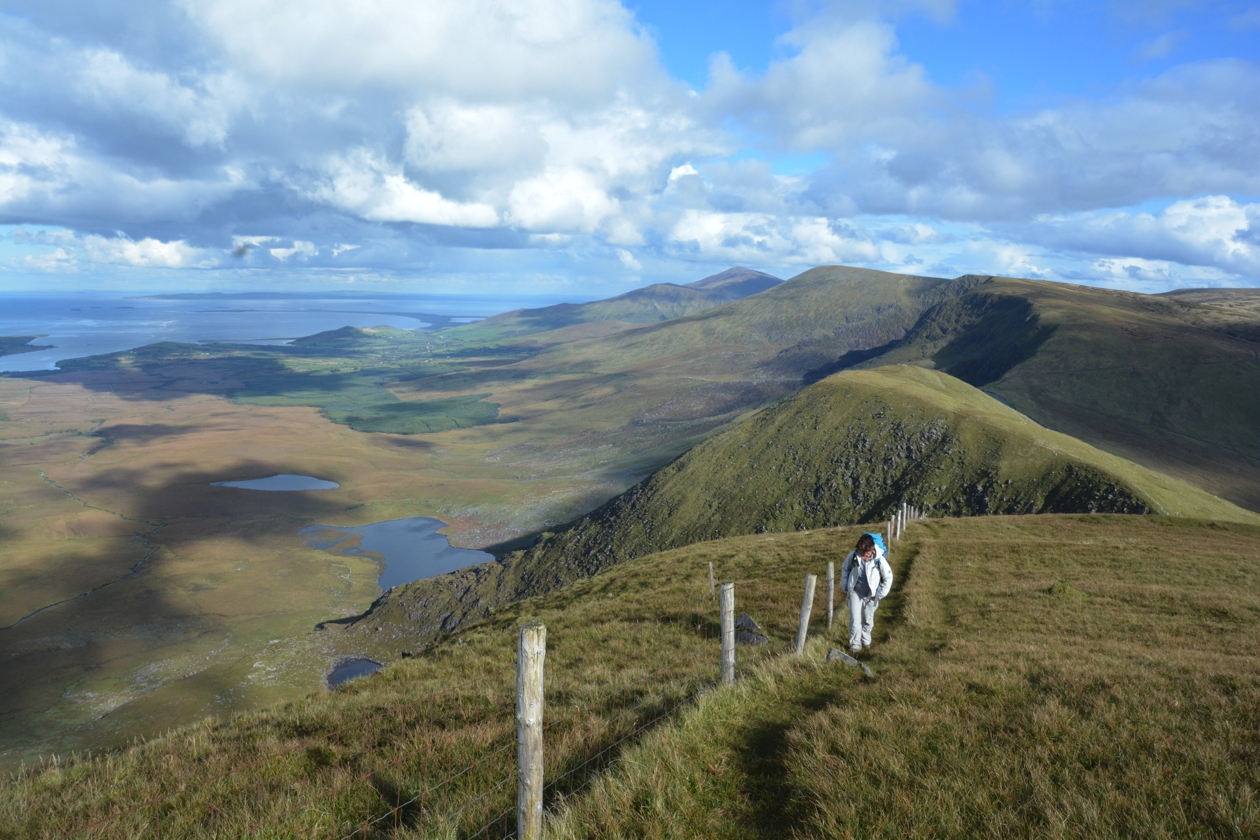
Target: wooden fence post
{"x":807,"y":606}
{"x":727,"y":601}
{"x":529,"y":730}
{"x":831,"y":592}
{"x":712,"y":585}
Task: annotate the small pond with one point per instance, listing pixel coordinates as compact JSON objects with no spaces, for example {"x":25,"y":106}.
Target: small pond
{"x":350,"y":669}
{"x":281,"y":483}
{"x":410,"y":549}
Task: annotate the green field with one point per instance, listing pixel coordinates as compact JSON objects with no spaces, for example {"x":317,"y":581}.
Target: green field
{"x":11,"y":344}
{"x":1083,"y":676}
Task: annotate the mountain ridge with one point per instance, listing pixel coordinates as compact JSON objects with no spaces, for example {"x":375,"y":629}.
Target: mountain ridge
{"x":846,"y":450}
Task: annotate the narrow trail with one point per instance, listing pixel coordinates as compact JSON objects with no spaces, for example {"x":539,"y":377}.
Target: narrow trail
{"x":140,"y":538}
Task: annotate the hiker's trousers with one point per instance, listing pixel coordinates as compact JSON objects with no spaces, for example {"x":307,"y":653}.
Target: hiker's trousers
{"x":861,"y":619}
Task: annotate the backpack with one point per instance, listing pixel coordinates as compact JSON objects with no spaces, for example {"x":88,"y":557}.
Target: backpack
{"x":879,"y":542}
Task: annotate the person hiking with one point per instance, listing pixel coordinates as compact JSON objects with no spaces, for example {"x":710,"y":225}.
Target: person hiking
{"x":865,"y":577}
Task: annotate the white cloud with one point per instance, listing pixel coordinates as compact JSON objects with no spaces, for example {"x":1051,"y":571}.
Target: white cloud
{"x":28,"y":158}
{"x":761,"y":237}
{"x":1187,"y":131}
{"x":503,"y":49}
{"x":1213,"y":231}
{"x":47,"y":177}
{"x":200,"y":117}
{"x":561,"y":200}
{"x":56,"y":260}
{"x":628,"y":260}
{"x":450,"y":136}
{"x":373,"y":188}
{"x":542,"y":125}
{"x":914,"y":233}
{"x":846,"y":83}
{"x":303,"y":248}
{"x":146,"y":253}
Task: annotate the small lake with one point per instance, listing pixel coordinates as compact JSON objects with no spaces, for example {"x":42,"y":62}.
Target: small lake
{"x":350,"y":669}
{"x":410,"y":549}
{"x":285,"y":482}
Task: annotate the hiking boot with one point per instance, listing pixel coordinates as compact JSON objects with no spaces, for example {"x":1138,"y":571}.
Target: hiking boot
{"x":855,"y":648}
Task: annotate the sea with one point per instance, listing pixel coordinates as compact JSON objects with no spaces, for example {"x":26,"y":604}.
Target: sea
{"x":88,"y":325}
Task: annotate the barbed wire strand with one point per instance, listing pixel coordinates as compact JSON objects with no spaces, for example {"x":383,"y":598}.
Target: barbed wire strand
{"x":161,"y":798}
{"x":382,"y":713}
{"x":364,"y":776}
{"x":686,"y":657}
{"x":394,"y":811}
{"x":551,"y":786}
{"x":455,"y":816}
{"x":591,"y":777}
{"x":493,"y":822}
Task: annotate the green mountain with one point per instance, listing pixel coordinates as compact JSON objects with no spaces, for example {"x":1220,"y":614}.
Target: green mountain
{"x":1169,"y":383}
{"x":850,"y":449}
{"x":846,"y":450}
{"x":657,"y":302}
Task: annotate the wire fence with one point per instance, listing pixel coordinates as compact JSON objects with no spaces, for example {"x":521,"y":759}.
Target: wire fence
{"x":407,"y":769}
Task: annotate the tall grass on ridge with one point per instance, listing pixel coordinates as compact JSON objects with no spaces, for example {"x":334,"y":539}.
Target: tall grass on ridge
{"x":1065,"y":676}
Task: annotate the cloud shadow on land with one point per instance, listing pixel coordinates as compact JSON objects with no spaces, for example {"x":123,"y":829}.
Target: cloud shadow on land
{"x":144,"y":610}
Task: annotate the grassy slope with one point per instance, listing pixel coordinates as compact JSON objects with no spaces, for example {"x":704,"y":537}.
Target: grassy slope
{"x":811,"y":318}
{"x":1049,"y":675}
{"x":1152,"y":379}
{"x":1052,"y":677}
{"x":1233,"y":311}
{"x":847,"y":449}
{"x":851,"y":448}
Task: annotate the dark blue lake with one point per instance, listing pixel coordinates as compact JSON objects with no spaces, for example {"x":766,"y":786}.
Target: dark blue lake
{"x":350,"y":669}
{"x":410,"y":549}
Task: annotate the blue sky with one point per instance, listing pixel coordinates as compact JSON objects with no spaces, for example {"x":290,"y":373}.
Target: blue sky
{"x":585,"y":147}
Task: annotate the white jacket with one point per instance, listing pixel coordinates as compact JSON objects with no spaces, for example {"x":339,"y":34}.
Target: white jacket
{"x":879,"y":574}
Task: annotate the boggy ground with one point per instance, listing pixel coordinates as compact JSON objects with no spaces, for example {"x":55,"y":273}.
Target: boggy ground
{"x":202,"y":599}
{"x":1066,"y":675}
{"x":134,"y":595}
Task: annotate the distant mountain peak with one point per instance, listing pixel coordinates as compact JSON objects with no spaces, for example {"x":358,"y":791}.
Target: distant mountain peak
{"x":737,"y":282}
